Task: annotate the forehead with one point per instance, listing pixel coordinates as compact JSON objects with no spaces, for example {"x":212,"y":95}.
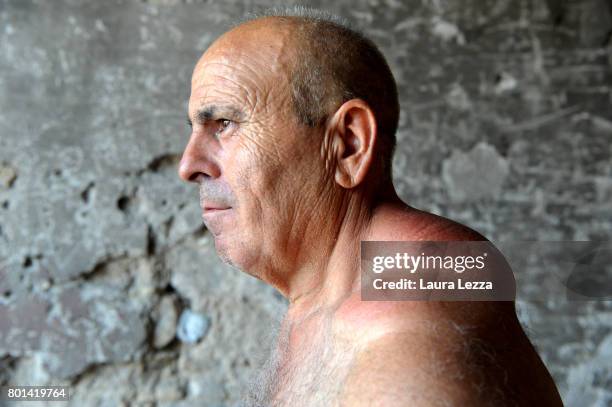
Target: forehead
{"x":248,"y":66}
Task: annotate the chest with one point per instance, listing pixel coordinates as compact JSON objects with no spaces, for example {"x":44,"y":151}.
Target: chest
{"x":314,"y":361}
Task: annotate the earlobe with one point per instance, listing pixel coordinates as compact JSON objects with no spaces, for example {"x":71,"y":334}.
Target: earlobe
{"x":343,"y":179}
{"x":342,"y":174}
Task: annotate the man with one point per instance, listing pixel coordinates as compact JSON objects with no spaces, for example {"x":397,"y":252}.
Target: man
{"x":293,"y":122}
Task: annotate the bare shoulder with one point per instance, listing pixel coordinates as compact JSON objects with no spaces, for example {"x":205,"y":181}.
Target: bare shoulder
{"x":442,"y":228}
{"x":451,"y":353}
{"x":402,"y":369}
{"x":402,"y":222}
{"x":428,"y":353}
{"x":443,"y":353}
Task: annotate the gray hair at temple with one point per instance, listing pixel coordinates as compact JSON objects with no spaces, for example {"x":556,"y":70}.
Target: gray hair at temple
{"x":336,"y":63}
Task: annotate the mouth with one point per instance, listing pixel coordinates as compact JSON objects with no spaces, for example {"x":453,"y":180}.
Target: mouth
{"x":213,"y":210}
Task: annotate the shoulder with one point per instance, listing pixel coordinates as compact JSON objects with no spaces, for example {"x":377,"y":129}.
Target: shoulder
{"x":427,"y":353}
{"x":402,"y":369}
{"x":402,"y":222}
{"x":445,"y":357}
{"x":437,"y":227}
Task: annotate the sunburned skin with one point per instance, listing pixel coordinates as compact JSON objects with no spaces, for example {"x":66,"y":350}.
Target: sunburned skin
{"x":477,"y":355}
{"x":289,"y":204}
{"x":314,"y":361}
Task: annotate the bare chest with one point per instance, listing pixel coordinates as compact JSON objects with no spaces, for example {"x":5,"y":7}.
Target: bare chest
{"x":313,"y":363}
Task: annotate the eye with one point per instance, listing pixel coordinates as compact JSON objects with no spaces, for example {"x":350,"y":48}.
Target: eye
{"x":223,"y":125}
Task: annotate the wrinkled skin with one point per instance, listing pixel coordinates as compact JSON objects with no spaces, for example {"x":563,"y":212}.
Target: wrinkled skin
{"x":295,"y":202}
{"x":261,"y":164}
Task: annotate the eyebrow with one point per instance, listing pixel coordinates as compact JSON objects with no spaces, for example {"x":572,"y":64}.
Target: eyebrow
{"x":215,"y":112}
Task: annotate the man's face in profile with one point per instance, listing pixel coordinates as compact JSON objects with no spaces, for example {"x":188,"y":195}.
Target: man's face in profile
{"x":256,"y":165}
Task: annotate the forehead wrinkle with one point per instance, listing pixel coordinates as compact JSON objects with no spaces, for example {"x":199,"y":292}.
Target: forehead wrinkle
{"x":270,"y":46}
{"x":206,"y":94}
{"x":209,"y":71}
{"x":241,"y":80}
{"x":254,"y":76}
{"x":255,"y":62}
{"x":272,"y":90}
{"x":235,"y":59}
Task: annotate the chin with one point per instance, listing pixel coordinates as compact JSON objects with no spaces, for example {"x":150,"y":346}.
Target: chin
{"x":228,"y":253}
{"x":229,"y":261}
{"x":236,"y":256}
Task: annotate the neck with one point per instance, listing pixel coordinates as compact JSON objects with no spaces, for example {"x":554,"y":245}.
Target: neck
{"x":331,"y":271}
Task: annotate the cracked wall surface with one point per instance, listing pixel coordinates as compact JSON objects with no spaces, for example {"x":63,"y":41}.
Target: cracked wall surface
{"x":108,"y":281}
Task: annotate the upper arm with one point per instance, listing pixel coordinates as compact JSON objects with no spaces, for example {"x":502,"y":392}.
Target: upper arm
{"x":419,"y":371}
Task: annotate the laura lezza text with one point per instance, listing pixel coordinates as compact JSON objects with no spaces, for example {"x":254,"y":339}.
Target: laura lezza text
{"x":422,"y":284}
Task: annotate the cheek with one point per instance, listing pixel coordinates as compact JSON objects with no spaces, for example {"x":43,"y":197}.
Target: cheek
{"x":253,"y":180}
{"x":259,"y":167}
{"x":272,"y":178}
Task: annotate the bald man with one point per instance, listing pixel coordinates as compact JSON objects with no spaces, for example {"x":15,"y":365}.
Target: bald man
{"x":293,"y":130}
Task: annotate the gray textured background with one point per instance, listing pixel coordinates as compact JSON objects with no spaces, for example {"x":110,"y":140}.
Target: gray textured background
{"x":506,"y":125}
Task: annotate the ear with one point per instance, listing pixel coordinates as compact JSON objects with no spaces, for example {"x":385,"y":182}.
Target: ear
{"x":353,"y":132}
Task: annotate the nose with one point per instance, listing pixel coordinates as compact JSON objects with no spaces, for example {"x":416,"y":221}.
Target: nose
{"x":197,"y":161}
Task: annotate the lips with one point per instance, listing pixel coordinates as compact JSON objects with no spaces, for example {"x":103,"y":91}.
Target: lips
{"x":211,"y":208}
{"x":211,"y":205}
{"x":209,"y":211}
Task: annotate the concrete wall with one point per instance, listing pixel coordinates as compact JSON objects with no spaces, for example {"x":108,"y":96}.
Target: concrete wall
{"x":109,"y":283}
